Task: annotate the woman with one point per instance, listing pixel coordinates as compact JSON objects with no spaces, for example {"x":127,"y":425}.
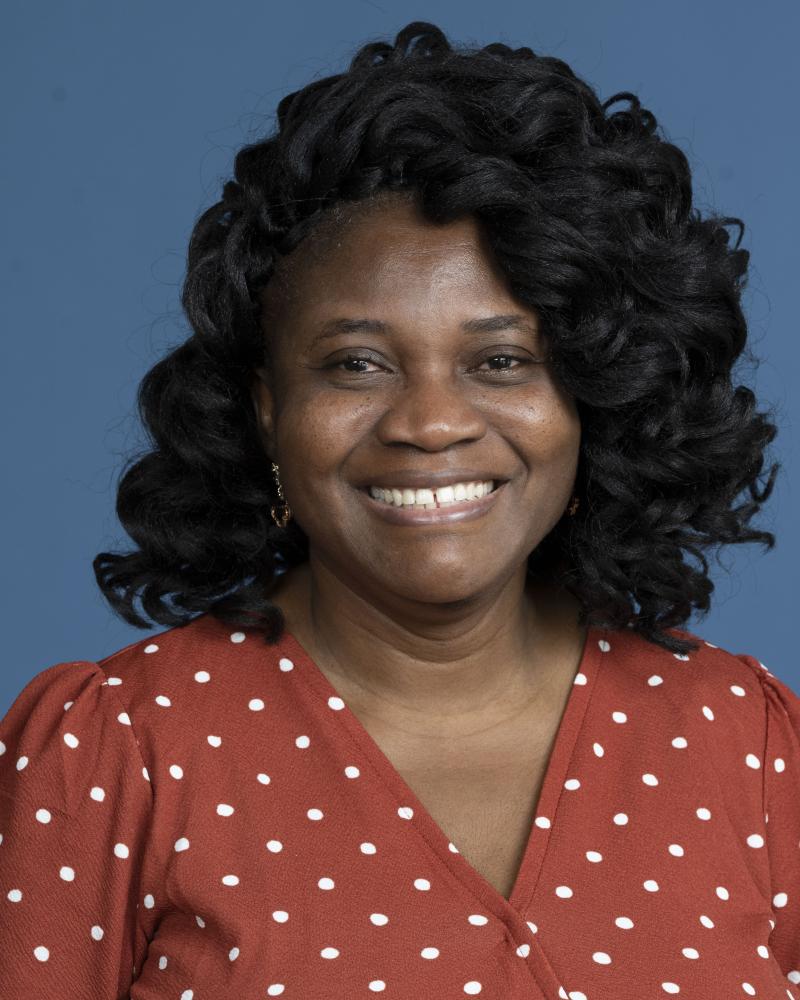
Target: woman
{"x":457,"y":406}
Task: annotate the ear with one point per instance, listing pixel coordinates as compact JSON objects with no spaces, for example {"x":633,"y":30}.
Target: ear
{"x":264,"y":405}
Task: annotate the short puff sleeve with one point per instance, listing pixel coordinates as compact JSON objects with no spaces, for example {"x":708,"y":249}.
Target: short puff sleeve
{"x":75,"y":807}
{"x":782,"y":810}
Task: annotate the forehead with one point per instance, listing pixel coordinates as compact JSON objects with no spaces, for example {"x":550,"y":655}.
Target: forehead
{"x":384,"y":252}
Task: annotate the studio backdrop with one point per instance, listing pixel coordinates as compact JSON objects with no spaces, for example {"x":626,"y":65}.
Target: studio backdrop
{"x":119,"y":125}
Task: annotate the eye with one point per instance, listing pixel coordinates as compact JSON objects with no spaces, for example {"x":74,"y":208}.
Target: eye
{"x":352,"y":359}
{"x":507,"y":357}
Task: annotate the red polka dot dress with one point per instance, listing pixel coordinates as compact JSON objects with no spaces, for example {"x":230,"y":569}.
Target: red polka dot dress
{"x":200,"y":816}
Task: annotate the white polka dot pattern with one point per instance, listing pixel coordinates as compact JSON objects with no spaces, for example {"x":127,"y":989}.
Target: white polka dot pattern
{"x":211,"y":820}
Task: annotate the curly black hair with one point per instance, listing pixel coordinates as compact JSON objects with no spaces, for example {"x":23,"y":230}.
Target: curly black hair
{"x":589,"y":214}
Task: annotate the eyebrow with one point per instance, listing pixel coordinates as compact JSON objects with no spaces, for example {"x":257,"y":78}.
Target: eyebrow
{"x":487,"y":324}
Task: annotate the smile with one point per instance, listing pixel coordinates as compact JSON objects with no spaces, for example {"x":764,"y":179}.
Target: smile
{"x":433,"y":497}
{"x":450,"y":512}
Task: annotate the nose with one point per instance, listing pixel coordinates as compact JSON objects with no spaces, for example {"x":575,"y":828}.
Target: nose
{"x":431,"y":413}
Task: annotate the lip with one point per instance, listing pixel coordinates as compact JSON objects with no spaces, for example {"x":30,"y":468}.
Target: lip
{"x":455,"y":513}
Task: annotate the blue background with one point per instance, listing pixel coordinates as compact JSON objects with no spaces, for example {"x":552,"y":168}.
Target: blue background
{"x":119,"y":126}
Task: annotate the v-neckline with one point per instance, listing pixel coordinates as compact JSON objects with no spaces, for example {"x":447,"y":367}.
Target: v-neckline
{"x":435,"y":838}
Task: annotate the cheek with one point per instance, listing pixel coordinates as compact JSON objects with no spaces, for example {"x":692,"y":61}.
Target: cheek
{"x":563,"y":438}
{"x":547,"y":431}
{"x":318,"y":433}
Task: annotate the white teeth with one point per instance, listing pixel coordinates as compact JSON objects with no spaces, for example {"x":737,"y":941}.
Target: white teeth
{"x":430,"y":498}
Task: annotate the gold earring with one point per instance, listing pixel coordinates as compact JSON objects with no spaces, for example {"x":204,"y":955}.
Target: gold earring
{"x":573,"y":507}
{"x":281,"y":519}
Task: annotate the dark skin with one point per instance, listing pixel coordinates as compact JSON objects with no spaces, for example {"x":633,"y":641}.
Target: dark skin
{"x":429,"y":632}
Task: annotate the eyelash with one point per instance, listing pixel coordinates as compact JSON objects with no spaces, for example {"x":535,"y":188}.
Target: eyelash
{"x":500,"y":371}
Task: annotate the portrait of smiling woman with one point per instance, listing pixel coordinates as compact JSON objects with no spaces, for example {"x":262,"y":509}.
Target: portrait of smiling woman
{"x":428,"y":503}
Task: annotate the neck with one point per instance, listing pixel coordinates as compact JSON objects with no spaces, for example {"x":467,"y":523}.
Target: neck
{"x":480,"y":661}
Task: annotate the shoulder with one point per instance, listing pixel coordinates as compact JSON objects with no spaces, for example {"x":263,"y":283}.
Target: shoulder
{"x":707,"y":666}
{"x":185,"y":668}
{"x":195,"y":688}
{"x":119,"y":715}
{"x":709,"y":684}
{"x":67,"y":736}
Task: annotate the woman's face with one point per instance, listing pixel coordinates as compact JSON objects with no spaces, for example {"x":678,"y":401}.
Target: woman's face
{"x":425,"y":397}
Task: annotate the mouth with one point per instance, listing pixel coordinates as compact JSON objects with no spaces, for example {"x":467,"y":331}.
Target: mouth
{"x":434,"y":511}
